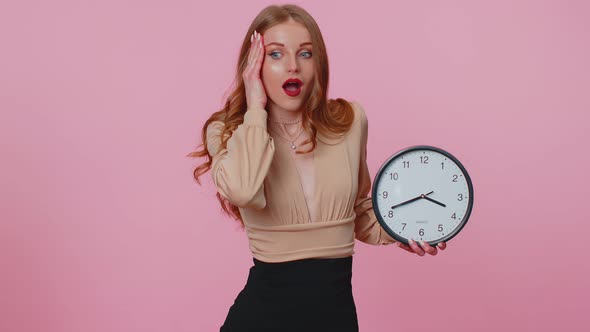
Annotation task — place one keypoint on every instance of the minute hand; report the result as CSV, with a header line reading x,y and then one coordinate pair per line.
x,y
411,200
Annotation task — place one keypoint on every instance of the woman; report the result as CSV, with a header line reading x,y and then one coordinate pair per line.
x,y
290,165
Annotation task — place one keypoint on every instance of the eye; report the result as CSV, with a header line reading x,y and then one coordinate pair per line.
x,y
307,53
277,52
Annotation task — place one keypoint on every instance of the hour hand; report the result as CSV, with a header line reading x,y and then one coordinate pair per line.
x,y
434,201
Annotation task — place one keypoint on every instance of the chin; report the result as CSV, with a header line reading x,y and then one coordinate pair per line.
x,y
290,105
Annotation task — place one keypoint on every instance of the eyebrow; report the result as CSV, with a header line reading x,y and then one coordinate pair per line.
x,y
283,45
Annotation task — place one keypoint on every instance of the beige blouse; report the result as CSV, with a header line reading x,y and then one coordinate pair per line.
x,y
297,206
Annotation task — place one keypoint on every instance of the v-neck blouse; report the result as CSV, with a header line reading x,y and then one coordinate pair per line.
x,y
261,176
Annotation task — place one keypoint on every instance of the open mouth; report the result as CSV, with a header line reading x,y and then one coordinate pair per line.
x,y
292,87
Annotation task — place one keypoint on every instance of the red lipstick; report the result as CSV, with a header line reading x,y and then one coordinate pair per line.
x,y
292,87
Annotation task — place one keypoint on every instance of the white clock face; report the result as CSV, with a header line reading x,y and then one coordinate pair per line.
x,y
423,194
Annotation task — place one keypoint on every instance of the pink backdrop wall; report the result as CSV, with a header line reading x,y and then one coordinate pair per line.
x,y
102,227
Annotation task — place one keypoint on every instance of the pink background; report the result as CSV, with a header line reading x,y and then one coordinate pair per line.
x,y
102,227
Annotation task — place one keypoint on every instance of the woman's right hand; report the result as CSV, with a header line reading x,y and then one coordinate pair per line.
x,y
255,93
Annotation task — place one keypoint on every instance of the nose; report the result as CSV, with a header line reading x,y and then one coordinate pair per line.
x,y
293,64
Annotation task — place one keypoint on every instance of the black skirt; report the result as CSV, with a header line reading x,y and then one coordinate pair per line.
x,y
308,295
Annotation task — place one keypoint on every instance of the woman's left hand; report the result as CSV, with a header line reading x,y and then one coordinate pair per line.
x,y
420,251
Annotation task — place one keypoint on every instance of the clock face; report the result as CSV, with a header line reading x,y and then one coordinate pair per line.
x,y
423,193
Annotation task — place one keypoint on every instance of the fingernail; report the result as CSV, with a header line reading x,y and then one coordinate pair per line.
x,y
411,240
421,242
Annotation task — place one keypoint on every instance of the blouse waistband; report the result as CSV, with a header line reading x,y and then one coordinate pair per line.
x,y
283,243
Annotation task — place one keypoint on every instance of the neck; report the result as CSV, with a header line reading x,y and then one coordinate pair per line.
x,y
282,115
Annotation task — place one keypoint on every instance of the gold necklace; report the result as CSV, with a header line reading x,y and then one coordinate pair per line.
x,y
286,122
293,146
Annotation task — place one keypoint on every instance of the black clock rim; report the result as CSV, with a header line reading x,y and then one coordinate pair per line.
x,y
396,155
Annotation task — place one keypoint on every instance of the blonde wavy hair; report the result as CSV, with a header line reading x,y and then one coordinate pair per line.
x,y
331,117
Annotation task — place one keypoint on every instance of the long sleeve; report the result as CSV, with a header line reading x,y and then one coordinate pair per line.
x,y
239,170
367,229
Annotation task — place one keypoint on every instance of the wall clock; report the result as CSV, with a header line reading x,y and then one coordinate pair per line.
x,y
423,193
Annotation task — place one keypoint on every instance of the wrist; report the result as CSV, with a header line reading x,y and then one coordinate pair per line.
x,y
256,115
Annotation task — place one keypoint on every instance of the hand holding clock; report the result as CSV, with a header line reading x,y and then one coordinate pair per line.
x,y
414,247
420,251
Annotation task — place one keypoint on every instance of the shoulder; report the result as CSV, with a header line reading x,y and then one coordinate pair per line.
x,y
359,111
213,134
360,117
215,128
349,111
